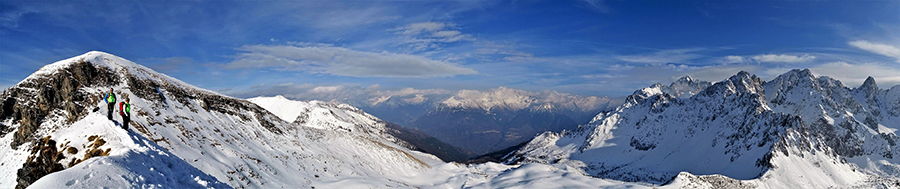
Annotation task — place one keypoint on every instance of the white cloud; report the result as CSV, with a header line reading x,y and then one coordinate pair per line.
x,y
663,56
882,49
509,51
719,73
428,35
325,89
11,18
619,67
343,61
785,58
732,59
601,76
418,99
416,28
853,75
410,91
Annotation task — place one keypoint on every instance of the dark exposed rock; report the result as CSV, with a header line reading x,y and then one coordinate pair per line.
x,y
640,145
43,161
238,107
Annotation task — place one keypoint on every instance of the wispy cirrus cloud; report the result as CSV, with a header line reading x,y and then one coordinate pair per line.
x,y
424,36
599,6
664,56
783,58
323,58
877,48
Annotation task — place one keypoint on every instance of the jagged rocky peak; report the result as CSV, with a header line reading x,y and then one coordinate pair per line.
x,y
869,84
796,78
740,83
684,87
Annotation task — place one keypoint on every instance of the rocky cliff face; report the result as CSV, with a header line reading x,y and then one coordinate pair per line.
x,y
35,99
741,127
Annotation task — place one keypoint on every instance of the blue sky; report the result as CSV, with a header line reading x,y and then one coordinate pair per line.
x,y
598,48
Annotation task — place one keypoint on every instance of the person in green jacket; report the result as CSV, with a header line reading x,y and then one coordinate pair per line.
x,y
110,99
125,112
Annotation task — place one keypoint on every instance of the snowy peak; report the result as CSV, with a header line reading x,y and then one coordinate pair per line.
x,y
685,79
684,87
502,97
102,60
795,78
869,85
744,82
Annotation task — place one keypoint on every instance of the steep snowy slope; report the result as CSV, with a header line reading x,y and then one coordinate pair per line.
x,y
136,162
795,131
234,140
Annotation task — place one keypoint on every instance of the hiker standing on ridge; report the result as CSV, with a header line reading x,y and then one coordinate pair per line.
x,y
125,112
110,99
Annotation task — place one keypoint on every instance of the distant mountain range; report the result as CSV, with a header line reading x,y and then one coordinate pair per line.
x,y
795,131
484,121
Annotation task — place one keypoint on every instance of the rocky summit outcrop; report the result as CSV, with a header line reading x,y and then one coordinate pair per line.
x,y
742,128
56,93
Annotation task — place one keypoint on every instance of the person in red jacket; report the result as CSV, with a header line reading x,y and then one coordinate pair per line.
x,y
125,112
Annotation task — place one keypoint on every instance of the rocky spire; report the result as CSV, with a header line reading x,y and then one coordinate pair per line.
x,y
869,84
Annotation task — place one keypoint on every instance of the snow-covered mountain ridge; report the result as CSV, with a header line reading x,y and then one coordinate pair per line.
x,y
54,134
797,130
233,140
344,116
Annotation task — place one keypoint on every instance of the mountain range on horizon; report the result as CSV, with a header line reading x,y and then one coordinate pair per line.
x,y
798,130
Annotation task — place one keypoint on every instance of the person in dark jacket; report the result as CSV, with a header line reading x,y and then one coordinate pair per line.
x,y
125,112
110,99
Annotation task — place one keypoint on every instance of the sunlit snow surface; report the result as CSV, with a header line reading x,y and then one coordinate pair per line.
x,y
136,162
